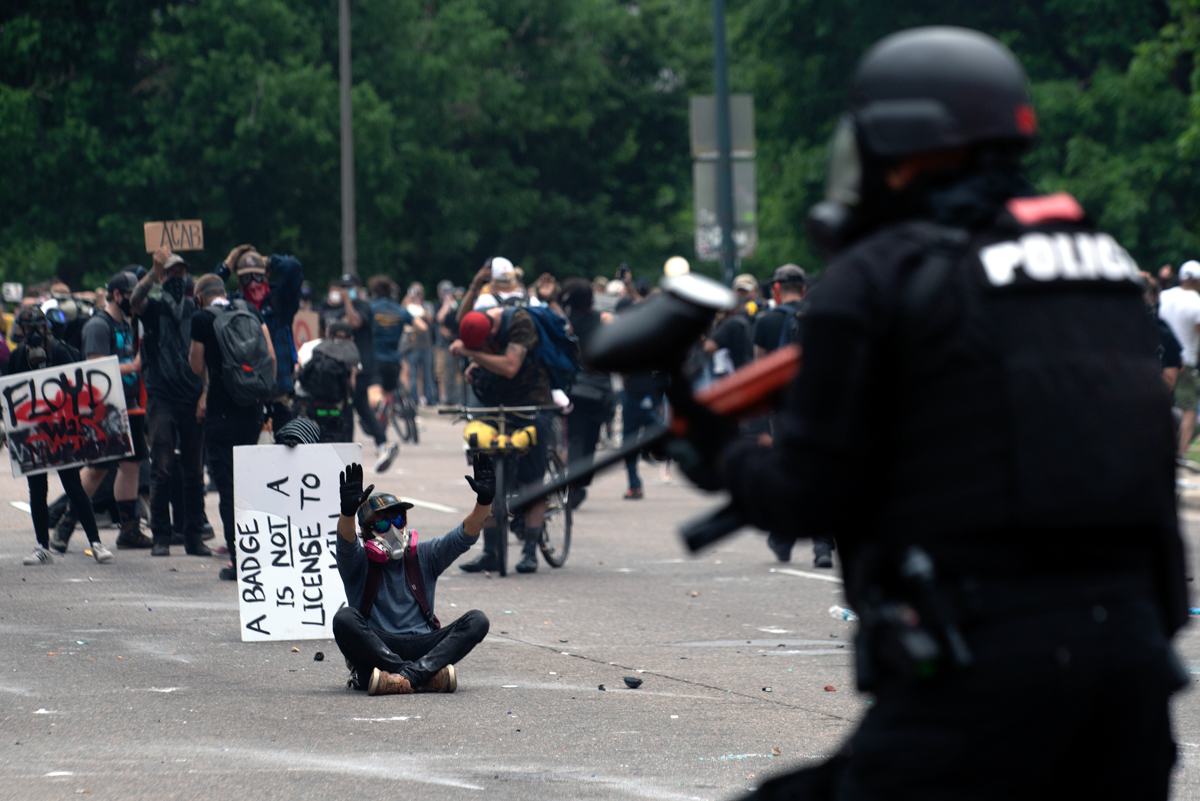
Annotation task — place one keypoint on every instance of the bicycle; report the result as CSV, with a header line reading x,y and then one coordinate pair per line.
x,y
400,413
556,527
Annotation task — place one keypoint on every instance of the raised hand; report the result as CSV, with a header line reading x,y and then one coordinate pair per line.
x,y
484,480
352,492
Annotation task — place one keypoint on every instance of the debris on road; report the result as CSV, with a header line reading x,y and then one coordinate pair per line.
x,y
318,657
829,688
601,688
767,689
295,650
695,594
632,682
842,613
775,750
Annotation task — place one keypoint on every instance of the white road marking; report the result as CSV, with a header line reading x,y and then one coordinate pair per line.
x,y
437,507
806,574
24,507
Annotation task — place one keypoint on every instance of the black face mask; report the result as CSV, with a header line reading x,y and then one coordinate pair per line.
x,y
35,350
124,306
175,287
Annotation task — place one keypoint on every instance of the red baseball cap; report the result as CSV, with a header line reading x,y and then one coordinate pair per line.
x,y
474,329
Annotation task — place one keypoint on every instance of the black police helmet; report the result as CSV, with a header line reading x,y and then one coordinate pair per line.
x,y
934,88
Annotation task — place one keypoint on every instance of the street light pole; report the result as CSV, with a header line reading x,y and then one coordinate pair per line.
x,y
349,244
724,146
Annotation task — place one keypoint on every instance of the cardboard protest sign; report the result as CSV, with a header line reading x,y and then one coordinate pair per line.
x,y
305,326
65,416
287,506
176,235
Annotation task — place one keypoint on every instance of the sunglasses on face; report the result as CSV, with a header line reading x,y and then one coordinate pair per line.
x,y
250,278
381,526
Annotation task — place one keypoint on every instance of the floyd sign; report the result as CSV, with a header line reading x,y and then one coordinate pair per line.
x,y
286,509
175,234
65,416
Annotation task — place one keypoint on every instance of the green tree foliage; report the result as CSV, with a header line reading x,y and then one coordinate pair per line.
x,y
552,131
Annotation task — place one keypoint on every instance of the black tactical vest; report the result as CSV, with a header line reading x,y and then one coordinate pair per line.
x,y
1025,387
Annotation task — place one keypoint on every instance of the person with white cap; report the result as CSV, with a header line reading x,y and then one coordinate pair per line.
x,y
1180,307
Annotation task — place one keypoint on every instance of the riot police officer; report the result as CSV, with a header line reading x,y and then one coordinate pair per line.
x,y
1019,571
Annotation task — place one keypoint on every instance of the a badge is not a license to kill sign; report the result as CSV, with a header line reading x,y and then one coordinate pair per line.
x,y
287,506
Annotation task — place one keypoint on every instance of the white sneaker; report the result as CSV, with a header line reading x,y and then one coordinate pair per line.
x,y
100,552
40,556
386,455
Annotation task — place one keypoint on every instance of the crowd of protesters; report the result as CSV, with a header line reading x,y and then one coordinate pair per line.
x,y
375,346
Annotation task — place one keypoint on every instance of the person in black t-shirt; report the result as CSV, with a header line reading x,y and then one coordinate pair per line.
x,y
109,333
345,301
226,424
173,410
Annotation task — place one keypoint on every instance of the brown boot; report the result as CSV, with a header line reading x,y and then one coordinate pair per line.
x,y
131,535
388,684
444,681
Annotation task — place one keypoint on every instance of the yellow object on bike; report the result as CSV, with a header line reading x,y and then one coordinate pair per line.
x,y
524,437
484,434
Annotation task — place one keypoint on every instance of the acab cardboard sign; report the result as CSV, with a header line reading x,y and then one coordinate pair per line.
x,y
286,505
65,416
174,234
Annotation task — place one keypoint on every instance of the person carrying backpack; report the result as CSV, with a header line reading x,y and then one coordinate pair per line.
x,y
326,380
781,325
231,348
503,346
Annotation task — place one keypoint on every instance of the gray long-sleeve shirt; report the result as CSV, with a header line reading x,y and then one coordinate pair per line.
x,y
395,610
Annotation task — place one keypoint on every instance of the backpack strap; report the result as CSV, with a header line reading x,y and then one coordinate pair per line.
x,y
416,583
374,574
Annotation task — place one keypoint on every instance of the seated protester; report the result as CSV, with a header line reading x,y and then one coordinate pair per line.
x,y
392,641
504,370
326,381
37,350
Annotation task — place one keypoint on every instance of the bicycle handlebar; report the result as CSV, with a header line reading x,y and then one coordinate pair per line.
x,y
497,409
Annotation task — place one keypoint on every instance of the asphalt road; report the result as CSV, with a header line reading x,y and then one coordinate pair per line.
x,y
130,680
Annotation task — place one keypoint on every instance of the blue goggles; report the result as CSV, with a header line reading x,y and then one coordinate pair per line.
x,y
381,526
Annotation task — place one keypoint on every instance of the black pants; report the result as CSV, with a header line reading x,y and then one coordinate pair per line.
x,y
169,424
1066,702
221,433
418,658
583,431
370,422
40,511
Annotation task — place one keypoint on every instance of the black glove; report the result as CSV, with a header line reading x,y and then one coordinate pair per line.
x,y
484,482
352,492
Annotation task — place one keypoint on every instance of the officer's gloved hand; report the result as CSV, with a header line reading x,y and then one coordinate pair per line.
x,y
484,480
699,452
352,492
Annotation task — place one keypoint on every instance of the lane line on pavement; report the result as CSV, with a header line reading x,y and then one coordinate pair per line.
x,y
437,507
806,574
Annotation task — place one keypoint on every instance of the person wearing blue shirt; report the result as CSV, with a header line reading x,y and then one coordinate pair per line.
x,y
388,319
392,641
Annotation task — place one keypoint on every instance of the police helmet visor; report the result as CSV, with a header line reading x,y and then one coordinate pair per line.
x,y
843,181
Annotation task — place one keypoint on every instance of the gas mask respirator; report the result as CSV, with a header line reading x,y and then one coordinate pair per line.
x,y
387,540
36,342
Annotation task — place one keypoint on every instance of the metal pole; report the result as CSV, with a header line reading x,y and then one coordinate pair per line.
x,y
349,245
724,145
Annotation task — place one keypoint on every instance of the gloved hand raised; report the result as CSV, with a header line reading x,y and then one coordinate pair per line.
x,y
352,491
484,481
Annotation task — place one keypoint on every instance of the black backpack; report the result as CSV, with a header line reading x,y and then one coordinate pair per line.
x,y
246,368
325,378
790,332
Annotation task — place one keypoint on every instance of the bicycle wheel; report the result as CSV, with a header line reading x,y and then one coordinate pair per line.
x,y
500,516
400,420
556,531
414,430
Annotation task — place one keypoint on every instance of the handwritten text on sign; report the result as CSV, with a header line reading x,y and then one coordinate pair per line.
x,y
287,508
175,234
65,416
